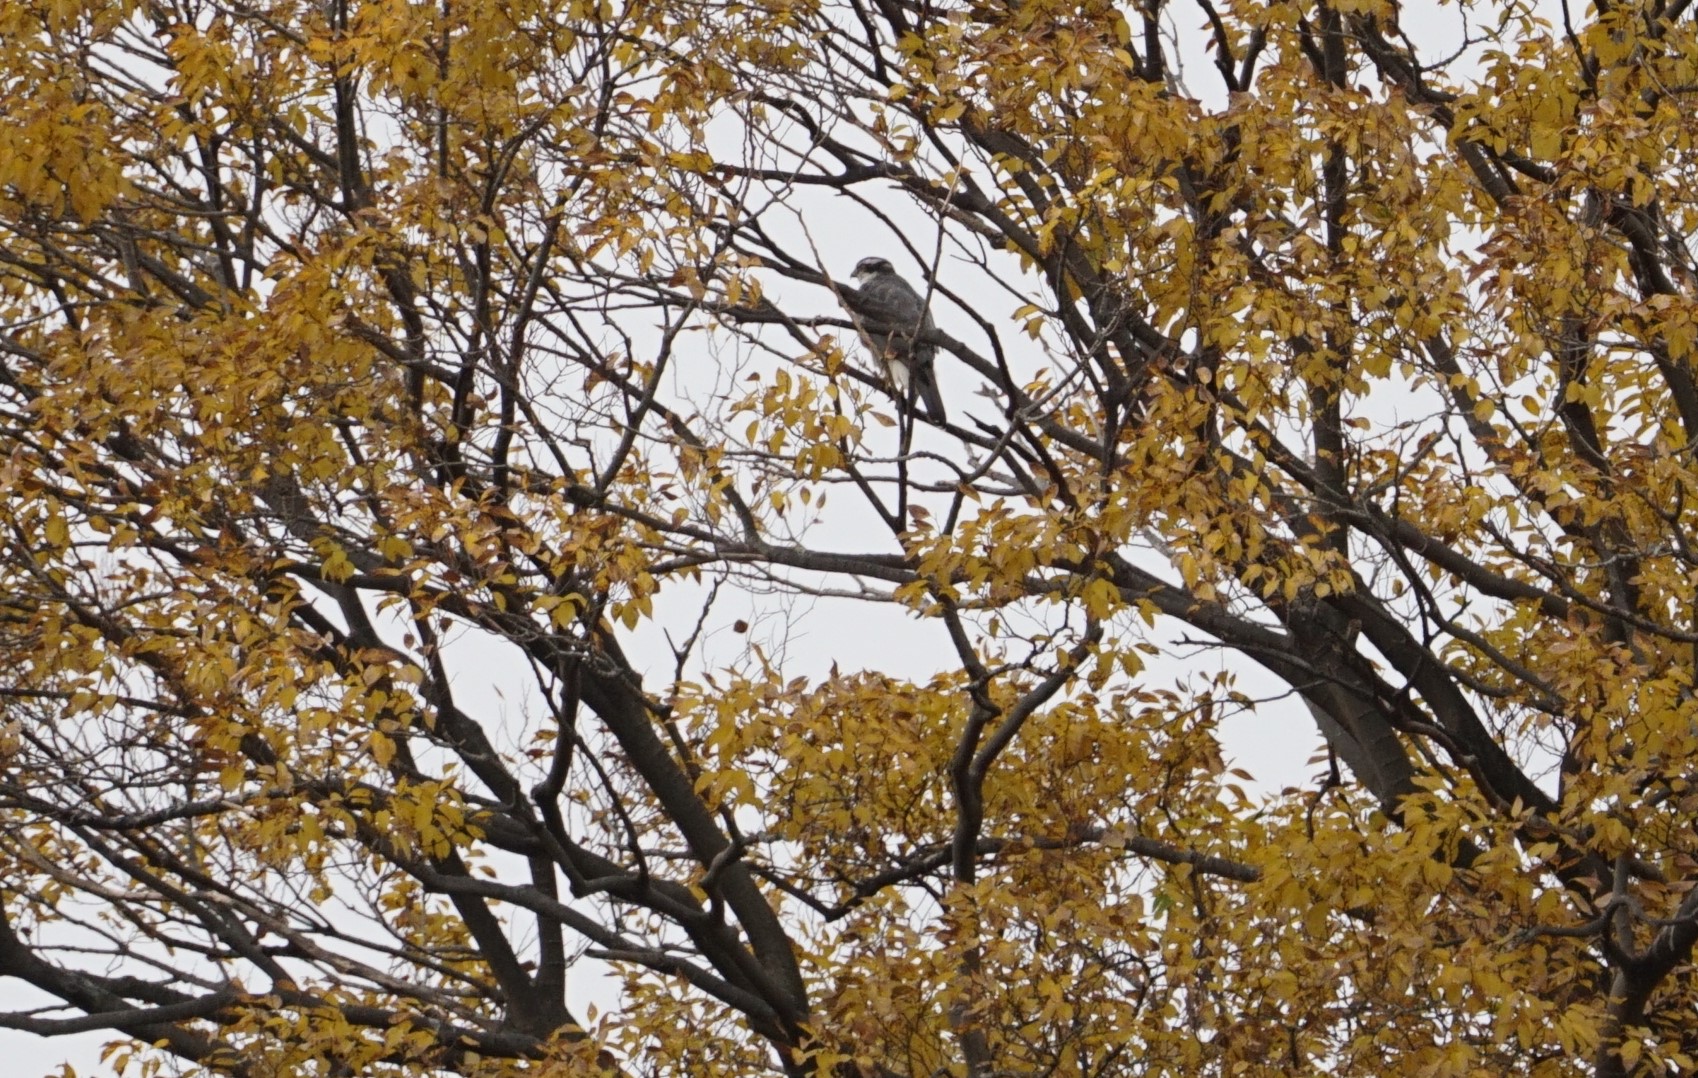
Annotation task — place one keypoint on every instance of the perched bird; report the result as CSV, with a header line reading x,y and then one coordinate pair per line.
x,y
894,323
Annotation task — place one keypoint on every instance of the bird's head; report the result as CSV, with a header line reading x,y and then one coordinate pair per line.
x,y
868,268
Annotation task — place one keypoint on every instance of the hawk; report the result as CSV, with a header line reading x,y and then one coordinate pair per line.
x,y
894,322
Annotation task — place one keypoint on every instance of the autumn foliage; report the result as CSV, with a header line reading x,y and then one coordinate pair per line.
x,y
468,605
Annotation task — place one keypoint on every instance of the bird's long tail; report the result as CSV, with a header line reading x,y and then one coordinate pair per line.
x,y
926,383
